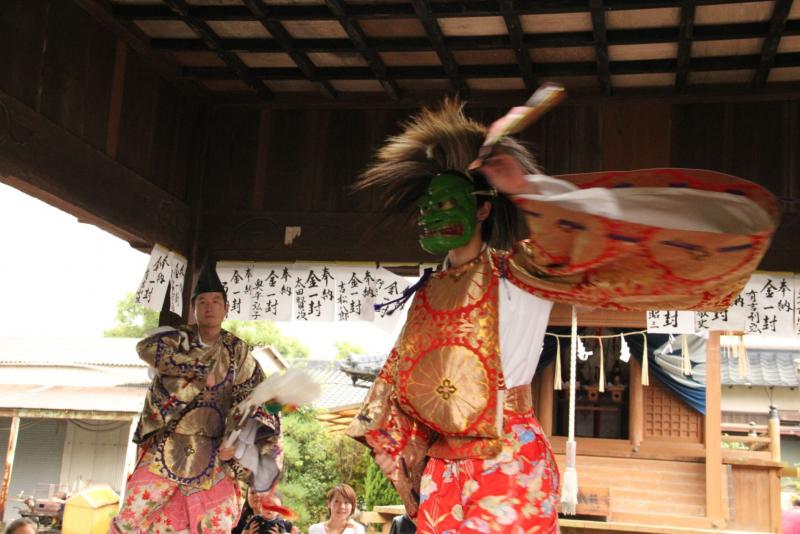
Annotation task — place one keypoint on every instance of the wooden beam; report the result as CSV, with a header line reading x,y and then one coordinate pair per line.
x,y
600,44
282,37
212,41
435,35
359,40
11,448
685,32
714,32
393,10
769,49
47,162
713,432
511,17
259,236
262,165
511,70
562,316
117,93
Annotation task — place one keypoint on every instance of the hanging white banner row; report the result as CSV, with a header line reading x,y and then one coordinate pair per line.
x,y
164,268
305,292
280,292
766,307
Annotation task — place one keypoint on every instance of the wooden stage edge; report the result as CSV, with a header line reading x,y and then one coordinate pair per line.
x,y
575,525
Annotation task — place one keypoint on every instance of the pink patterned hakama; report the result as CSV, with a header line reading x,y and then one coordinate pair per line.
x,y
157,505
515,492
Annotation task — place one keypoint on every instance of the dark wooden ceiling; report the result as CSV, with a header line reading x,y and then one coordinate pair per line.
x,y
345,49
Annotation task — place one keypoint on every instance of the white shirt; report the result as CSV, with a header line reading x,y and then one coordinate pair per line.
x,y
352,528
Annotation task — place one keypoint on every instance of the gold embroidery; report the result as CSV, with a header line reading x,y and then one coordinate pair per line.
x,y
446,389
448,367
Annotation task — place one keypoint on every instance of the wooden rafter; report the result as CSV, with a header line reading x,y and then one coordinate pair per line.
x,y
770,47
396,10
428,20
600,43
285,40
642,66
213,42
359,40
509,11
685,31
712,32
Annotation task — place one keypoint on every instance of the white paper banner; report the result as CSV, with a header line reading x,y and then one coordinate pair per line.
x,y
176,282
271,293
796,302
769,304
389,287
237,279
153,289
670,322
355,293
314,288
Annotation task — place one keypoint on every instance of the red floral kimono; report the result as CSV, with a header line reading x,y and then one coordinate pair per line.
x,y
455,412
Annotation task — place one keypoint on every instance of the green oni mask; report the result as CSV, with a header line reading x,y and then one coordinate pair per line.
x,y
447,213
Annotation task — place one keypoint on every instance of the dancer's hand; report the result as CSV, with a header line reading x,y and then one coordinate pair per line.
x,y
505,174
387,465
225,453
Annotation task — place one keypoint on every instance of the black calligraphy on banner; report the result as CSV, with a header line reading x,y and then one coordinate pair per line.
x,y
355,293
237,279
670,322
730,319
313,288
153,289
176,281
769,304
271,293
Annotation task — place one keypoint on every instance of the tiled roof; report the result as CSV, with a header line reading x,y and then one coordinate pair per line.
x,y
338,390
106,351
766,368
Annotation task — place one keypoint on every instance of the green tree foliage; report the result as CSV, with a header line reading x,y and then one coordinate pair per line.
x,y
133,320
263,333
345,349
314,462
378,490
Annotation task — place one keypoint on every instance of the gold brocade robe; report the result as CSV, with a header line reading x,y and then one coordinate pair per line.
x,y
441,392
183,420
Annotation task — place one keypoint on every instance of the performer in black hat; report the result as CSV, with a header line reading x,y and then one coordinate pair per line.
x,y
186,480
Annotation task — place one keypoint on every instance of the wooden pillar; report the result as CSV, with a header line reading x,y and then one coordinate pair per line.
x,y
12,447
636,411
545,398
774,428
713,433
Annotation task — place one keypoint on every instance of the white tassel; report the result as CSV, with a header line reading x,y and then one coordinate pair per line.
x,y
569,485
686,357
583,354
744,363
645,373
602,377
557,375
624,349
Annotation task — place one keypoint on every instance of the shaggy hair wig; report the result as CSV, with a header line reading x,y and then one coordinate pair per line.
x,y
438,140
